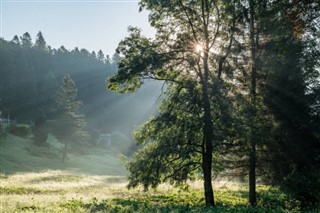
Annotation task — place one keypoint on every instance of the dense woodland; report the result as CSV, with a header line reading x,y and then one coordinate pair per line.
x,y
243,94
31,72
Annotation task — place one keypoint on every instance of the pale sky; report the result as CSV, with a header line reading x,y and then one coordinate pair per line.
x,y
93,25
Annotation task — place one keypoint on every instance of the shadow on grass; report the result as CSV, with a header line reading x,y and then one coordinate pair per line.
x,y
27,190
192,202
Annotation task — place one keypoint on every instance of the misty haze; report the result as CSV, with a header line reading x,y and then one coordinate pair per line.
x,y
160,106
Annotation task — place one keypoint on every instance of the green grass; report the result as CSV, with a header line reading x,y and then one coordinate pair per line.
x,y
33,179
22,155
61,191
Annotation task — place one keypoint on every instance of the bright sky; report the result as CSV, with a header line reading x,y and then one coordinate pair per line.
x,y
90,24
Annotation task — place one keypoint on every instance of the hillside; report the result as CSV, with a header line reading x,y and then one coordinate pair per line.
x,y
31,75
21,155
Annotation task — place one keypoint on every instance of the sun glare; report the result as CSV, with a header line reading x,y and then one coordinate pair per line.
x,y
199,48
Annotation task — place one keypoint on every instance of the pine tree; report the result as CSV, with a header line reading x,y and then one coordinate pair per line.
x,y
26,40
100,55
40,42
71,124
16,40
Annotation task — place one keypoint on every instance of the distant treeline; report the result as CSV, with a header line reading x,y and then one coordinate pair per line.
x,y
32,71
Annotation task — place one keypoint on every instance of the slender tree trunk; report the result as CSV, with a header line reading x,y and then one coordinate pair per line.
x,y
208,138
252,154
207,165
252,173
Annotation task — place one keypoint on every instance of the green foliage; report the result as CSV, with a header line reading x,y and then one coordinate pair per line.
x,y
290,57
305,187
19,190
21,130
71,124
73,204
193,119
66,96
30,72
273,197
172,143
40,42
26,40
271,200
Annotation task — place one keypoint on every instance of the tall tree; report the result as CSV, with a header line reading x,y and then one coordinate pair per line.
x,y
188,47
253,93
291,91
26,40
40,42
29,78
16,40
70,127
100,55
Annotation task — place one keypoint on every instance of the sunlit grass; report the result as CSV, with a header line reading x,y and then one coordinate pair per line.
x,y
49,188
62,191
96,182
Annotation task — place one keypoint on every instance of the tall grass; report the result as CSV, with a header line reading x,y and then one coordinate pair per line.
x,y
61,191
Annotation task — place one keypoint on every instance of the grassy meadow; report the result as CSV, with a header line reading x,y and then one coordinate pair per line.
x,y
33,179
62,191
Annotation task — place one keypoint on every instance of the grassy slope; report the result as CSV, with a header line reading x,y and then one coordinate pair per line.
x,y
21,155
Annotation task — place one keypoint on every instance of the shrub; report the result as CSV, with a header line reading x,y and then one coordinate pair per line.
x,y
305,187
21,130
274,198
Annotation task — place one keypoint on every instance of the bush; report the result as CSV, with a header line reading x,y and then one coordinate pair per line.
x,y
305,187
21,130
273,198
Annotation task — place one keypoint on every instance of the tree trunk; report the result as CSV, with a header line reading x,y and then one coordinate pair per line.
x,y
207,165
252,152
208,138
252,173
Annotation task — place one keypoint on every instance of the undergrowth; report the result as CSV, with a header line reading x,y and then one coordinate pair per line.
x,y
105,196
227,201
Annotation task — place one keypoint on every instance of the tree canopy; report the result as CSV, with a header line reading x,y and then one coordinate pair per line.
x,y
235,80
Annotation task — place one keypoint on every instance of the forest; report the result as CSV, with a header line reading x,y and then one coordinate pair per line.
x,y
220,112
32,72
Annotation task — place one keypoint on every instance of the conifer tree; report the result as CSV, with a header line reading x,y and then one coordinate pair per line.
x,y
100,55
16,40
40,42
71,124
26,40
